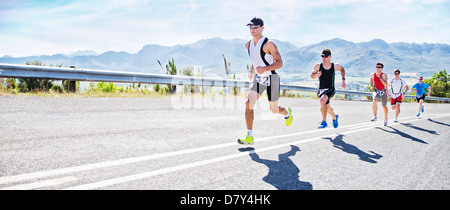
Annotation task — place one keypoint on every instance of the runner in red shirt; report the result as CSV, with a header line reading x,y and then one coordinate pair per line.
x,y
379,83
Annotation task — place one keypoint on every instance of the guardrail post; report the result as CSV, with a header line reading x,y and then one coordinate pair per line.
x,y
73,84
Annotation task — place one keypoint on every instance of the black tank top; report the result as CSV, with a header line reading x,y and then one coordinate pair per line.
x,y
327,78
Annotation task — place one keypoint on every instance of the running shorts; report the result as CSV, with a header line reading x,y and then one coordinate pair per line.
x,y
380,94
273,90
327,91
422,97
396,100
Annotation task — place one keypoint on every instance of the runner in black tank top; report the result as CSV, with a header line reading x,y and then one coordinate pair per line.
x,y
326,86
326,82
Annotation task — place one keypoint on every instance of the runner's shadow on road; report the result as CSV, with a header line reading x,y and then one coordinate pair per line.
x,y
403,134
283,174
339,143
419,128
440,123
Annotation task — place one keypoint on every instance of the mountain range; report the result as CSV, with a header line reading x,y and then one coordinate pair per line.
x,y
359,59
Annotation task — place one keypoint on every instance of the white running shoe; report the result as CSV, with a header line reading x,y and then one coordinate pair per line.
x,y
395,120
374,119
385,122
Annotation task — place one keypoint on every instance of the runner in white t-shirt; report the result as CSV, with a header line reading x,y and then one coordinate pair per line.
x,y
396,85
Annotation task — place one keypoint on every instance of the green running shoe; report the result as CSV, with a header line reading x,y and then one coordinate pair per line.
x,y
289,119
248,140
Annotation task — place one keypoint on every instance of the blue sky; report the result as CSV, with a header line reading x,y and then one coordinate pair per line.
x,y
32,27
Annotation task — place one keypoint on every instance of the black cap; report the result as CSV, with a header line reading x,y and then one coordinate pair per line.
x,y
256,21
397,70
326,52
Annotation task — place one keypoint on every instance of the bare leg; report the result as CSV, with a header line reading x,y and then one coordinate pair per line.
x,y
394,107
274,108
385,112
374,107
397,112
331,112
323,107
249,114
420,105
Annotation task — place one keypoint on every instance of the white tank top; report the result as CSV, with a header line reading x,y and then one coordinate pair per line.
x,y
255,56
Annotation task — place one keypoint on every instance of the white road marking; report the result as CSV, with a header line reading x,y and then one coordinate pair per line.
x,y
40,184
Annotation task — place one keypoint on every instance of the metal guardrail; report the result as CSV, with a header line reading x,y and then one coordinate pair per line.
x,y
79,74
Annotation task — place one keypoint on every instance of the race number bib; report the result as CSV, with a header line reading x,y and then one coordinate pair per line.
x,y
263,80
378,93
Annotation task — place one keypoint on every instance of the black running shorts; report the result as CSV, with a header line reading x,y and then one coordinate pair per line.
x,y
422,97
327,91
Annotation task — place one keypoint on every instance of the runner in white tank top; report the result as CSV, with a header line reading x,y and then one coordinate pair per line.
x,y
266,59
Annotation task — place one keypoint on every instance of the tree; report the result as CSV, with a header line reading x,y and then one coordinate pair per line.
x,y
440,84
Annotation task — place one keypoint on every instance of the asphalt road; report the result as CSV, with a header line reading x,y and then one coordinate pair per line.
x,y
190,143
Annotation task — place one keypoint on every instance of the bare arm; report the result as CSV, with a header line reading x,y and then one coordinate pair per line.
x,y
383,80
372,85
406,88
316,73
340,68
271,49
252,70
404,93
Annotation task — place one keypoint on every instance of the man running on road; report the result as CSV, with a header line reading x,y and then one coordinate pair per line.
x,y
397,95
419,89
266,59
325,71
379,83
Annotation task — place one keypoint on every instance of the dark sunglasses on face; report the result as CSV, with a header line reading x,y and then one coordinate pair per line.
x,y
324,56
254,27
379,67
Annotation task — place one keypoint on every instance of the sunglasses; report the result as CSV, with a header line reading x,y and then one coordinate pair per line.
x,y
397,73
324,56
379,67
254,27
